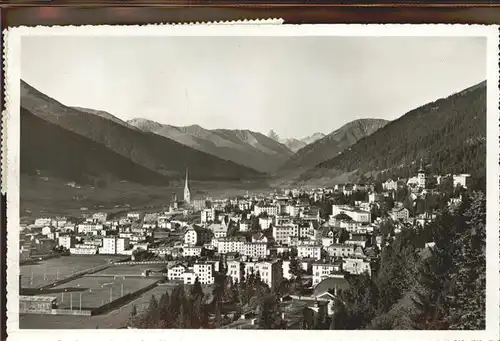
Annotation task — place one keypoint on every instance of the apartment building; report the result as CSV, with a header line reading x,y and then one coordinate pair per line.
x,y
309,251
235,270
270,272
114,245
323,270
282,233
268,209
225,245
205,272
254,250
340,250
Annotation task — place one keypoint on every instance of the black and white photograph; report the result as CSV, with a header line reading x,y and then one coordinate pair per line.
x,y
244,177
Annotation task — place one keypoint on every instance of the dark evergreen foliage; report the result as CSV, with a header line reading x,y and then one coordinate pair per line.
x,y
449,134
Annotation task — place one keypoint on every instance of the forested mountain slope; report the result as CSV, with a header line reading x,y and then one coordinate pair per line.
x,y
449,135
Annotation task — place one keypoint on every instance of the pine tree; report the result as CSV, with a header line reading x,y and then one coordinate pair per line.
x,y
133,313
469,282
197,291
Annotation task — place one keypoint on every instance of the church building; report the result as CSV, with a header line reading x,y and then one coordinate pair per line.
x,y
187,192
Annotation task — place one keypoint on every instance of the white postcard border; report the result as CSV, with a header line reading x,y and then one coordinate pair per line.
x,y
11,168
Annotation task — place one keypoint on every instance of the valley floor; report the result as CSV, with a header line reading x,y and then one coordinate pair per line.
x,y
41,197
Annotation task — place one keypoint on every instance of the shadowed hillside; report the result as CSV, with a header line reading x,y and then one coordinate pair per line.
x,y
53,151
157,153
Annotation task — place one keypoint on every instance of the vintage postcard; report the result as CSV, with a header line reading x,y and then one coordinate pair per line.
x,y
286,178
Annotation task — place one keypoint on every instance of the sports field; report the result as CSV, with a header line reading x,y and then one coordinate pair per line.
x,y
96,291
48,271
137,270
117,318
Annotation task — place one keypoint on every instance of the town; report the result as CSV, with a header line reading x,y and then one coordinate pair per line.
x,y
302,245
314,239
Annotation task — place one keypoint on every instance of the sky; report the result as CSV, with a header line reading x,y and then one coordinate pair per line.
x,y
296,86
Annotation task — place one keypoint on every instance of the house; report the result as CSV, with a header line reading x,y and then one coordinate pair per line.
x,y
356,266
360,187
176,272
358,215
359,252
114,245
191,251
340,250
321,271
207,215
286,270
375,197
244,225
134,216
259,237
400,213
218,230
235,270
357,239
309,251
348,189
265,222
462,180
195,235
40,222
66,241
332,285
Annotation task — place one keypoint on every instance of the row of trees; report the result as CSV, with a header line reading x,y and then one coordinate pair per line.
x,y
442,287
194,309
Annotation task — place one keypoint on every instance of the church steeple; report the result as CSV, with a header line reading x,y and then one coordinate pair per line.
x,y
421,169
187,192
422,178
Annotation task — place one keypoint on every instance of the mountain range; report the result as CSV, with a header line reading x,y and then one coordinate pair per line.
x,y
295,144
164,157
448,135
87,145
245,147
330,145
